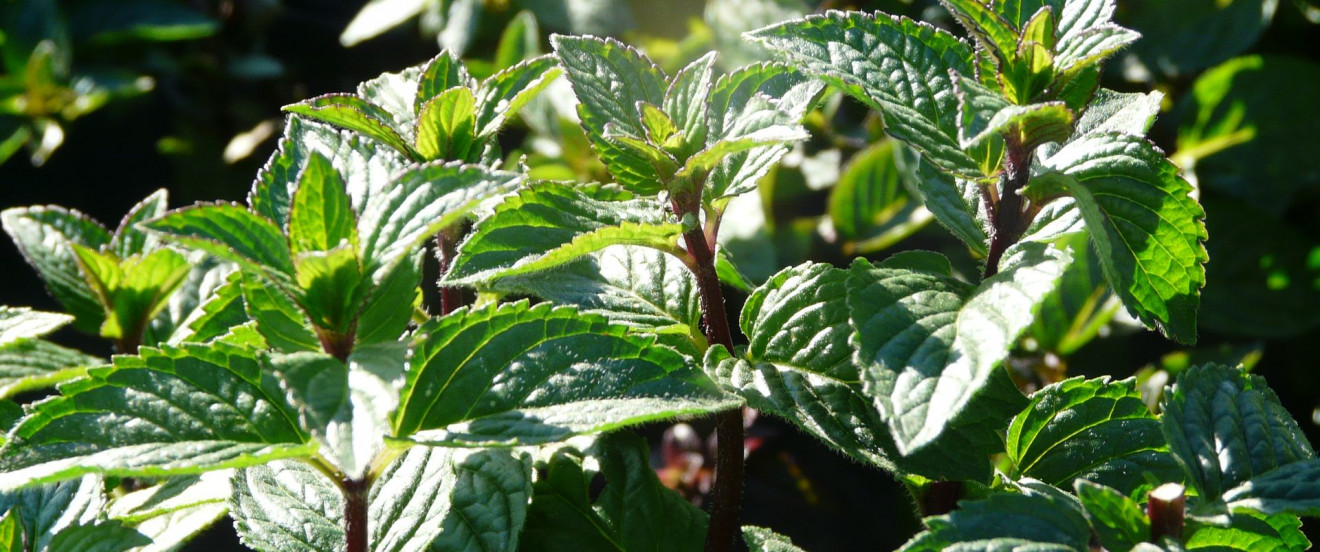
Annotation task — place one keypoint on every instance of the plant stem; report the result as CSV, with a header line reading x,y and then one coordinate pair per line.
x,y
446,248
727,504
338,345
1010,220
941,497
356,492
1166,507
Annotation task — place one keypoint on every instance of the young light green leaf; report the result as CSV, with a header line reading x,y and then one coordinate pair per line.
x,y
11,533
1093,430
171,411
1034,521
927,343
629,285
686,101
134,290
448,499
984,113
32,364
331,288
520,40
549,224
383,318
278,318
418,204
443,72
287,506
760,539
1226,426
869,198
320,215
44,236
228,231
396,94
446,126
896,65
530,375
128,239
21,322
356,114
990,29
633,512
1119,521
1144,224
505,93
609,79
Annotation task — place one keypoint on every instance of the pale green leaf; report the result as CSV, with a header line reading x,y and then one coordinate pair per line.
x,y
996,34
505,93
288,507
633,512
1090,429
228,231
171,411
32,364
686,102
609,79
378,16
898,66
21,322
927,344
320,214
520,40
1145,225
44,236
549,224
128,239
278,318
1249,532
396,94
331,288
174,511
446,126
514,375
445,71
355,114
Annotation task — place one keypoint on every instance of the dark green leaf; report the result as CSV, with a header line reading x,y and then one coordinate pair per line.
x,y
128,239
103,23
1119,521
32,364
985,113
878,59
549,224
633,512
1093,430
170,411
869,197
760,539
1249,531
517,375
956,203
278,318
1081,306
228,231
1226,426
1146,227
1291,488
383,317
505,93
1182,37
1036,522
355,114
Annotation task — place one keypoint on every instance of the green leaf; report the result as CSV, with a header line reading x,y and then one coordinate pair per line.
x,y
278,318
1146,228
760,539
134,290
990,29
106,536
11,533
365,168
1292,488
355,114
175,511
985,113
1080,50
1033,521
633,511
505,93
32,364
633,286
519,375
548,224
418,204
446,126
869,198
1090,429
1226,426
686,102
382,318
217,315
1111,111
102,24
396,94
445,71
876,59
763,126
483,501
21,322
748,98
1119,521
128,239
520,40
44,236
171,411
927,343
1080,308
320,214
609,79
332,288
44,511
1181,37
956,204
1249,531
228,231
287,506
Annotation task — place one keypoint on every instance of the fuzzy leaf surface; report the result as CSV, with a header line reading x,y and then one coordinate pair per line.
x,y
45,235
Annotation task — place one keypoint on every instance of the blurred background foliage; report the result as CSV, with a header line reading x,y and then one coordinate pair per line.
x,y
103,101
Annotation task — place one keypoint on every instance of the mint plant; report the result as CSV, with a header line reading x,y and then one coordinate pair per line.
x,y
279,363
